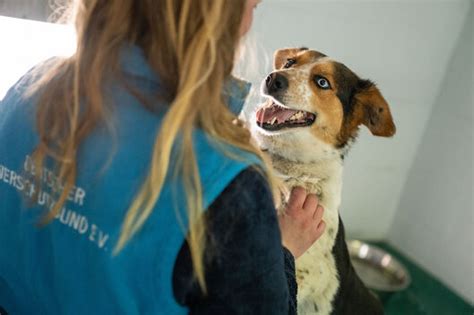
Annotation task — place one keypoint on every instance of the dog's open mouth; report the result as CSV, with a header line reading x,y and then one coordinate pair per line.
x,y
275,117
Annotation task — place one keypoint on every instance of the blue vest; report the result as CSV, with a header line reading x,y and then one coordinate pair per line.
x,y
67,267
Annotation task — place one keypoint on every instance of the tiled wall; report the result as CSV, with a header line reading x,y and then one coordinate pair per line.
x,y
40,10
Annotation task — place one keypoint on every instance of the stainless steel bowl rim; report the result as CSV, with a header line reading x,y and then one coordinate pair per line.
x,y
382,260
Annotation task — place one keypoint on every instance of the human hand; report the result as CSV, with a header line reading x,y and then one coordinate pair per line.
x,y
301,224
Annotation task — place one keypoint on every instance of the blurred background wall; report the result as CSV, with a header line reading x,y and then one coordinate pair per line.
x,y
26,9
39,10
434,220
414,190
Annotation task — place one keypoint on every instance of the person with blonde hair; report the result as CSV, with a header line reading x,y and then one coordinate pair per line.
x,y
126,185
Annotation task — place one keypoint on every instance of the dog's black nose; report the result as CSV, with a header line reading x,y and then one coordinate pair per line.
x,y
276,82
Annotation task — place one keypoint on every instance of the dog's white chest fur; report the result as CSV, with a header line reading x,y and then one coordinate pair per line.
x,y
316,269
300,159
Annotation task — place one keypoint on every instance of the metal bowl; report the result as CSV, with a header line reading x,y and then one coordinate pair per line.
x,y
377,269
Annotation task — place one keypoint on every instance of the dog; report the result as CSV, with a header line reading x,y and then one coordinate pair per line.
x,y
314,108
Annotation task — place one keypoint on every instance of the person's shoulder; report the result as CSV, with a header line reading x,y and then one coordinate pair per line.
x,y
22,89
248,190
251,178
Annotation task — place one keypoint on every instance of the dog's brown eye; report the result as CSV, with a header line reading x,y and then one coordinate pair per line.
x,y
289,63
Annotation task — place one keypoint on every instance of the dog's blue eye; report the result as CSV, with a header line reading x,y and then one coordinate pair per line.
x,y
322,83
289,63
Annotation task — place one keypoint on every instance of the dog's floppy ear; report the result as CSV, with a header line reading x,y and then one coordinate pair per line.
x,y
376,113
281,56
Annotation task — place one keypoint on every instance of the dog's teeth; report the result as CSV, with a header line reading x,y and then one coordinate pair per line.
x,y
298,115
273,121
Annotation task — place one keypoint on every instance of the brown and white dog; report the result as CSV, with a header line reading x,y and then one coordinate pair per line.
x,y
314,109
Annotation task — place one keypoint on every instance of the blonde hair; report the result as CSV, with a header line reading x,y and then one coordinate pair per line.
x,y
191,45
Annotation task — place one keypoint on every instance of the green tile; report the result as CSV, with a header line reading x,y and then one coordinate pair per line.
x,y
425,295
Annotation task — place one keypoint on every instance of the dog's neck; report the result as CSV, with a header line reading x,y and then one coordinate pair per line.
x,y
323,168
322,177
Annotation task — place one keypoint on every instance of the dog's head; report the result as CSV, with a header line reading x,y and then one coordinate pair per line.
x,y
314,100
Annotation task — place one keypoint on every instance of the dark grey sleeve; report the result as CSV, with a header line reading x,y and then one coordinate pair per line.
x,y
247,269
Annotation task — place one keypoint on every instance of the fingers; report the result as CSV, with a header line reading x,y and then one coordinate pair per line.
x,y
300,200
318,214
302,223
311,202
320,229
321,225
297,199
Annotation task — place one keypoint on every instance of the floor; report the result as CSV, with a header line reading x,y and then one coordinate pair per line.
x,y
425,295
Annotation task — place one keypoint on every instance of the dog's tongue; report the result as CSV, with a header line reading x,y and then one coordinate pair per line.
x,y
267,114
